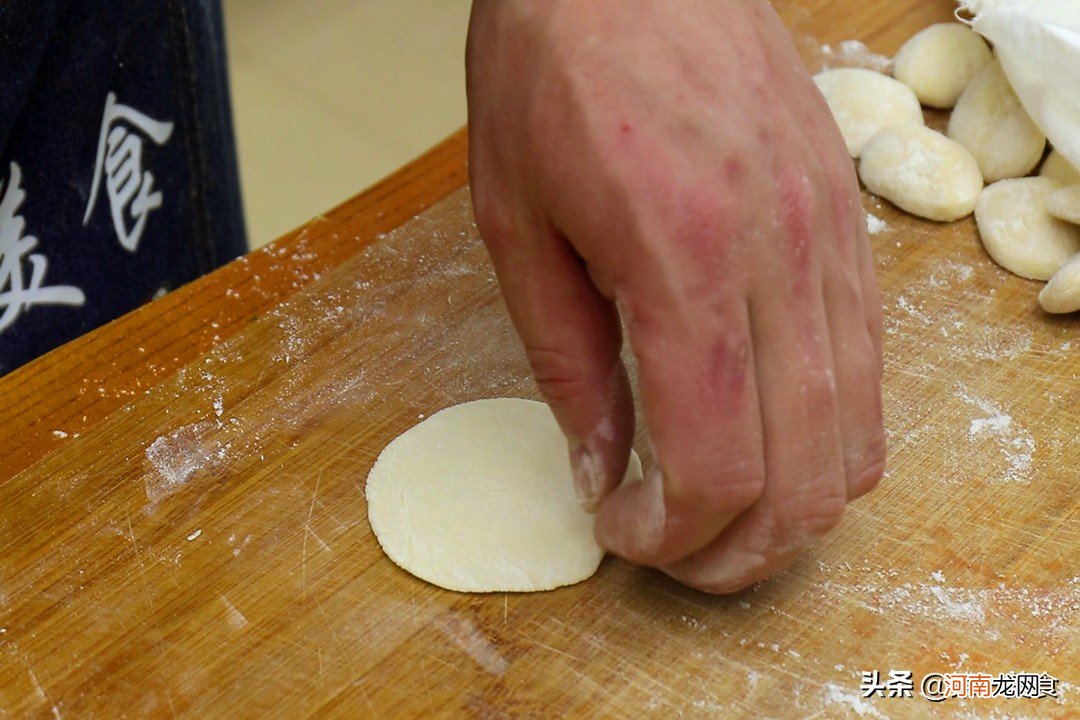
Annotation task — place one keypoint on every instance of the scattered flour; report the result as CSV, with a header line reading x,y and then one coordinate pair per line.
x,y
958,605
854,53
947,273
997,423
984,610
907,306
997,344
836,695
874,224
461,631
175,457
1015,443
929,601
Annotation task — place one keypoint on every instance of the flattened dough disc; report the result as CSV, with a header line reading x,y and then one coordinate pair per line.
x,y
479,498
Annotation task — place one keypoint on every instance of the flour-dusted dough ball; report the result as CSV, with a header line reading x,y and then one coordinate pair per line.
x,y
990,122
921,171
1062,293
939,62
480,498
1056,167
1064,204
1018,231
864,101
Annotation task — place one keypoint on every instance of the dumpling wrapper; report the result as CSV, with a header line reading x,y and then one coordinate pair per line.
x,y
479,497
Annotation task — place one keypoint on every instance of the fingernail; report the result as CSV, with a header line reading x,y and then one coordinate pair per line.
x,y
588,476
640,531
653,517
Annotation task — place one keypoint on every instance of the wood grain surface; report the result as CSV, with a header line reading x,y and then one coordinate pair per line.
x,y
183,530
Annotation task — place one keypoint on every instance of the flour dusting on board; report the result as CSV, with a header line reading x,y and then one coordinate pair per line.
x,y
946,299
469,639
176,457
874,224
980,611
948,273
1013,442
837,695
853,54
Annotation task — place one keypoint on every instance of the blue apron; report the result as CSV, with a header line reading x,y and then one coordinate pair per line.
x,y
118,178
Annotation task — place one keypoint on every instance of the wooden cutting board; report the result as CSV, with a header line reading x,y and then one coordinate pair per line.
x,y
183,530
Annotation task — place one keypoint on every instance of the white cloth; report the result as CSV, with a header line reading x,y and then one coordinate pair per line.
x,y
1038,42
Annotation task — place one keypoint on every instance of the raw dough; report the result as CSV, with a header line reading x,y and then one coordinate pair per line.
x,y
939,62
1064,204
990,122
1056,167
1062,293
863,101
480,498
921,171
1018,231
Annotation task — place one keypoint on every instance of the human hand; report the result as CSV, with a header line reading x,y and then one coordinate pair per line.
x,y
673,163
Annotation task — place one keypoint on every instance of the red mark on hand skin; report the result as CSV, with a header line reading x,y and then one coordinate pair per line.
x,y
734,170
702,234
796,220
625,128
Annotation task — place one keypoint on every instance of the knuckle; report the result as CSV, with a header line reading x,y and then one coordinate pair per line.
x,y
798,204
840,174
847,288
818,391
864,464
844,186
733,489
860,370
730,582
558,374
481,192
867,478
493,218
491,226
799,521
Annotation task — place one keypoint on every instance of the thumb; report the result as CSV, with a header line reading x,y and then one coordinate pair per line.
x,y
572,337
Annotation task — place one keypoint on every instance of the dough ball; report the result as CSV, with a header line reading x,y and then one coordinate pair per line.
x,y
1018,231
939,62
1056,167
921,171
1062,293
480,498
1064,204
864,101
990,122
